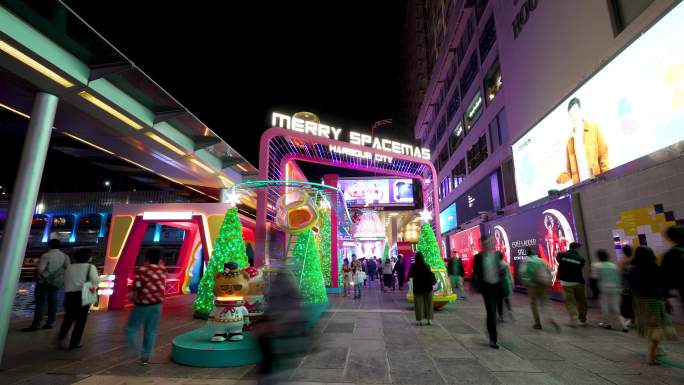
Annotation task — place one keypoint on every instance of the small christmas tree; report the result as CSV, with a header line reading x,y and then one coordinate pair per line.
x,y
228,247
306,267
427,244
324,245
385,253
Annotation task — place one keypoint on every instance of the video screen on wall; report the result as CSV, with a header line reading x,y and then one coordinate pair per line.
x,y
632,107
447,218
546,230
369,192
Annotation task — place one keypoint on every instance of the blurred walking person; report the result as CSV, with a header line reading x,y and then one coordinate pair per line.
x,y
506,291
49,279
147,295
537,277
487,275
673,263
456,272
607,277
570,264
75,312
422,280
626,298
400,270
358,278
651,309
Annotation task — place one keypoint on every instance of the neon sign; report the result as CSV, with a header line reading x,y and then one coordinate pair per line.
x,y
329,132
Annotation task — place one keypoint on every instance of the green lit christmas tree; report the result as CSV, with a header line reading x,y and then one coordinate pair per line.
x,y
385,253
427,244
306,267
324,245
228,247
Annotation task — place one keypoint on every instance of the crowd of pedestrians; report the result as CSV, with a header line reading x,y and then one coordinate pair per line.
x,y
362,273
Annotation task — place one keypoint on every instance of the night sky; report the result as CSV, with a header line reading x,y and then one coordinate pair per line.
x,y
232,66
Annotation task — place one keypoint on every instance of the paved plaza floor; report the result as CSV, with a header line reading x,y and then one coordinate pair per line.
x,y
372,341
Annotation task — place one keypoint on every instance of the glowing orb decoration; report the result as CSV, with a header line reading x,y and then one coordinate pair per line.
x,y
296,212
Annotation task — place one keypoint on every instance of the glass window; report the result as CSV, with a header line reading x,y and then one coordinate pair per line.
x,y
443,156
473,111
456,136
493,82
480,7
487,38
88,229
453,105
494,134
459,173
37,229
625,11
452,72
477,153
61,227
508,181
469,73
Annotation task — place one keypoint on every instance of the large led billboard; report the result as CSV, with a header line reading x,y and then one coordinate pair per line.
x,y
447,218
370,192
484,196
630,108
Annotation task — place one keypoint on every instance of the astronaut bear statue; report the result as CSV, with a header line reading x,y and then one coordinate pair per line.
x,y
229,315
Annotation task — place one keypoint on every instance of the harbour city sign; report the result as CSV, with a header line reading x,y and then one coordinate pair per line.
x,y
323,130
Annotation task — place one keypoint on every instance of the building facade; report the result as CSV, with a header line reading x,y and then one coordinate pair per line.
x,y
502,67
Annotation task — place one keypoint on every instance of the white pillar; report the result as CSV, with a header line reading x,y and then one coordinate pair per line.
x,y
23,204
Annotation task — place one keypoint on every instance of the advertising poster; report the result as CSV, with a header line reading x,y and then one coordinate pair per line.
x,y
547,230
613,118
377,192
484,196
465,245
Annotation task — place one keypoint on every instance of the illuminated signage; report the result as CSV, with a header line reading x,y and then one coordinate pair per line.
x,y
458,131
167,215
471,201
473,111
329,132
613,118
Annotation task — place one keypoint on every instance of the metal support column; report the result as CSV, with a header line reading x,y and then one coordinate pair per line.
x,y
23,204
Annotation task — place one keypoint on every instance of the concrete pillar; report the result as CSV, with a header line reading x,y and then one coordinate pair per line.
x,y
23,204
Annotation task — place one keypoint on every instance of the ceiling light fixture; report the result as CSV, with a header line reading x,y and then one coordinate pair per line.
x,y
88,143
202,165
43,70
164,143
8,108
110,110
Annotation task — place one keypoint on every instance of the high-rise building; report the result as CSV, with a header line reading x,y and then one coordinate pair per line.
x,y
486,83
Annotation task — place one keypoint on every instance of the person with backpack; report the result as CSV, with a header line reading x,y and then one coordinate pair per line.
x,y
609,282
75,311
456,272
570,264
49,279
487,276
536,276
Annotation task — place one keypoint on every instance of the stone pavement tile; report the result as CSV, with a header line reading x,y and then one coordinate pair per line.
x,y
369,323
49,378
330,358
368,366
330,340
339,327
631,379
318,375
612,352
567,373
448,350
465,372
527,350
361,333
413,366
393,320
369,345
509,378
119,380
502,360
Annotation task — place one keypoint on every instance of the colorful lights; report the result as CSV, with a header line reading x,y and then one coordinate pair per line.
x,y
110,110
202,165
88,143
425,216
241,168
43,70
167,215
106,285
427,244
233,198
226,182
230,298
165,143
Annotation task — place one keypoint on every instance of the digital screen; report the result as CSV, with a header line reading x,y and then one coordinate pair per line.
x,y
547,230
465,245
484,196
377,192
447,218
632,107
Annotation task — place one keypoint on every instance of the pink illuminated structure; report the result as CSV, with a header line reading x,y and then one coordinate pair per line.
x,y
279,146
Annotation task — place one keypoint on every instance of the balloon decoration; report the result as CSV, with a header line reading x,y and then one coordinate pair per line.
x,y
296,212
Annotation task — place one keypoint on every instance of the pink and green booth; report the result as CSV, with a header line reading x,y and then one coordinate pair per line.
x,y
201,222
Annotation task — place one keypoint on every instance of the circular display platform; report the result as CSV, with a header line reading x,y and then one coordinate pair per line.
x,y
438,301
195,349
